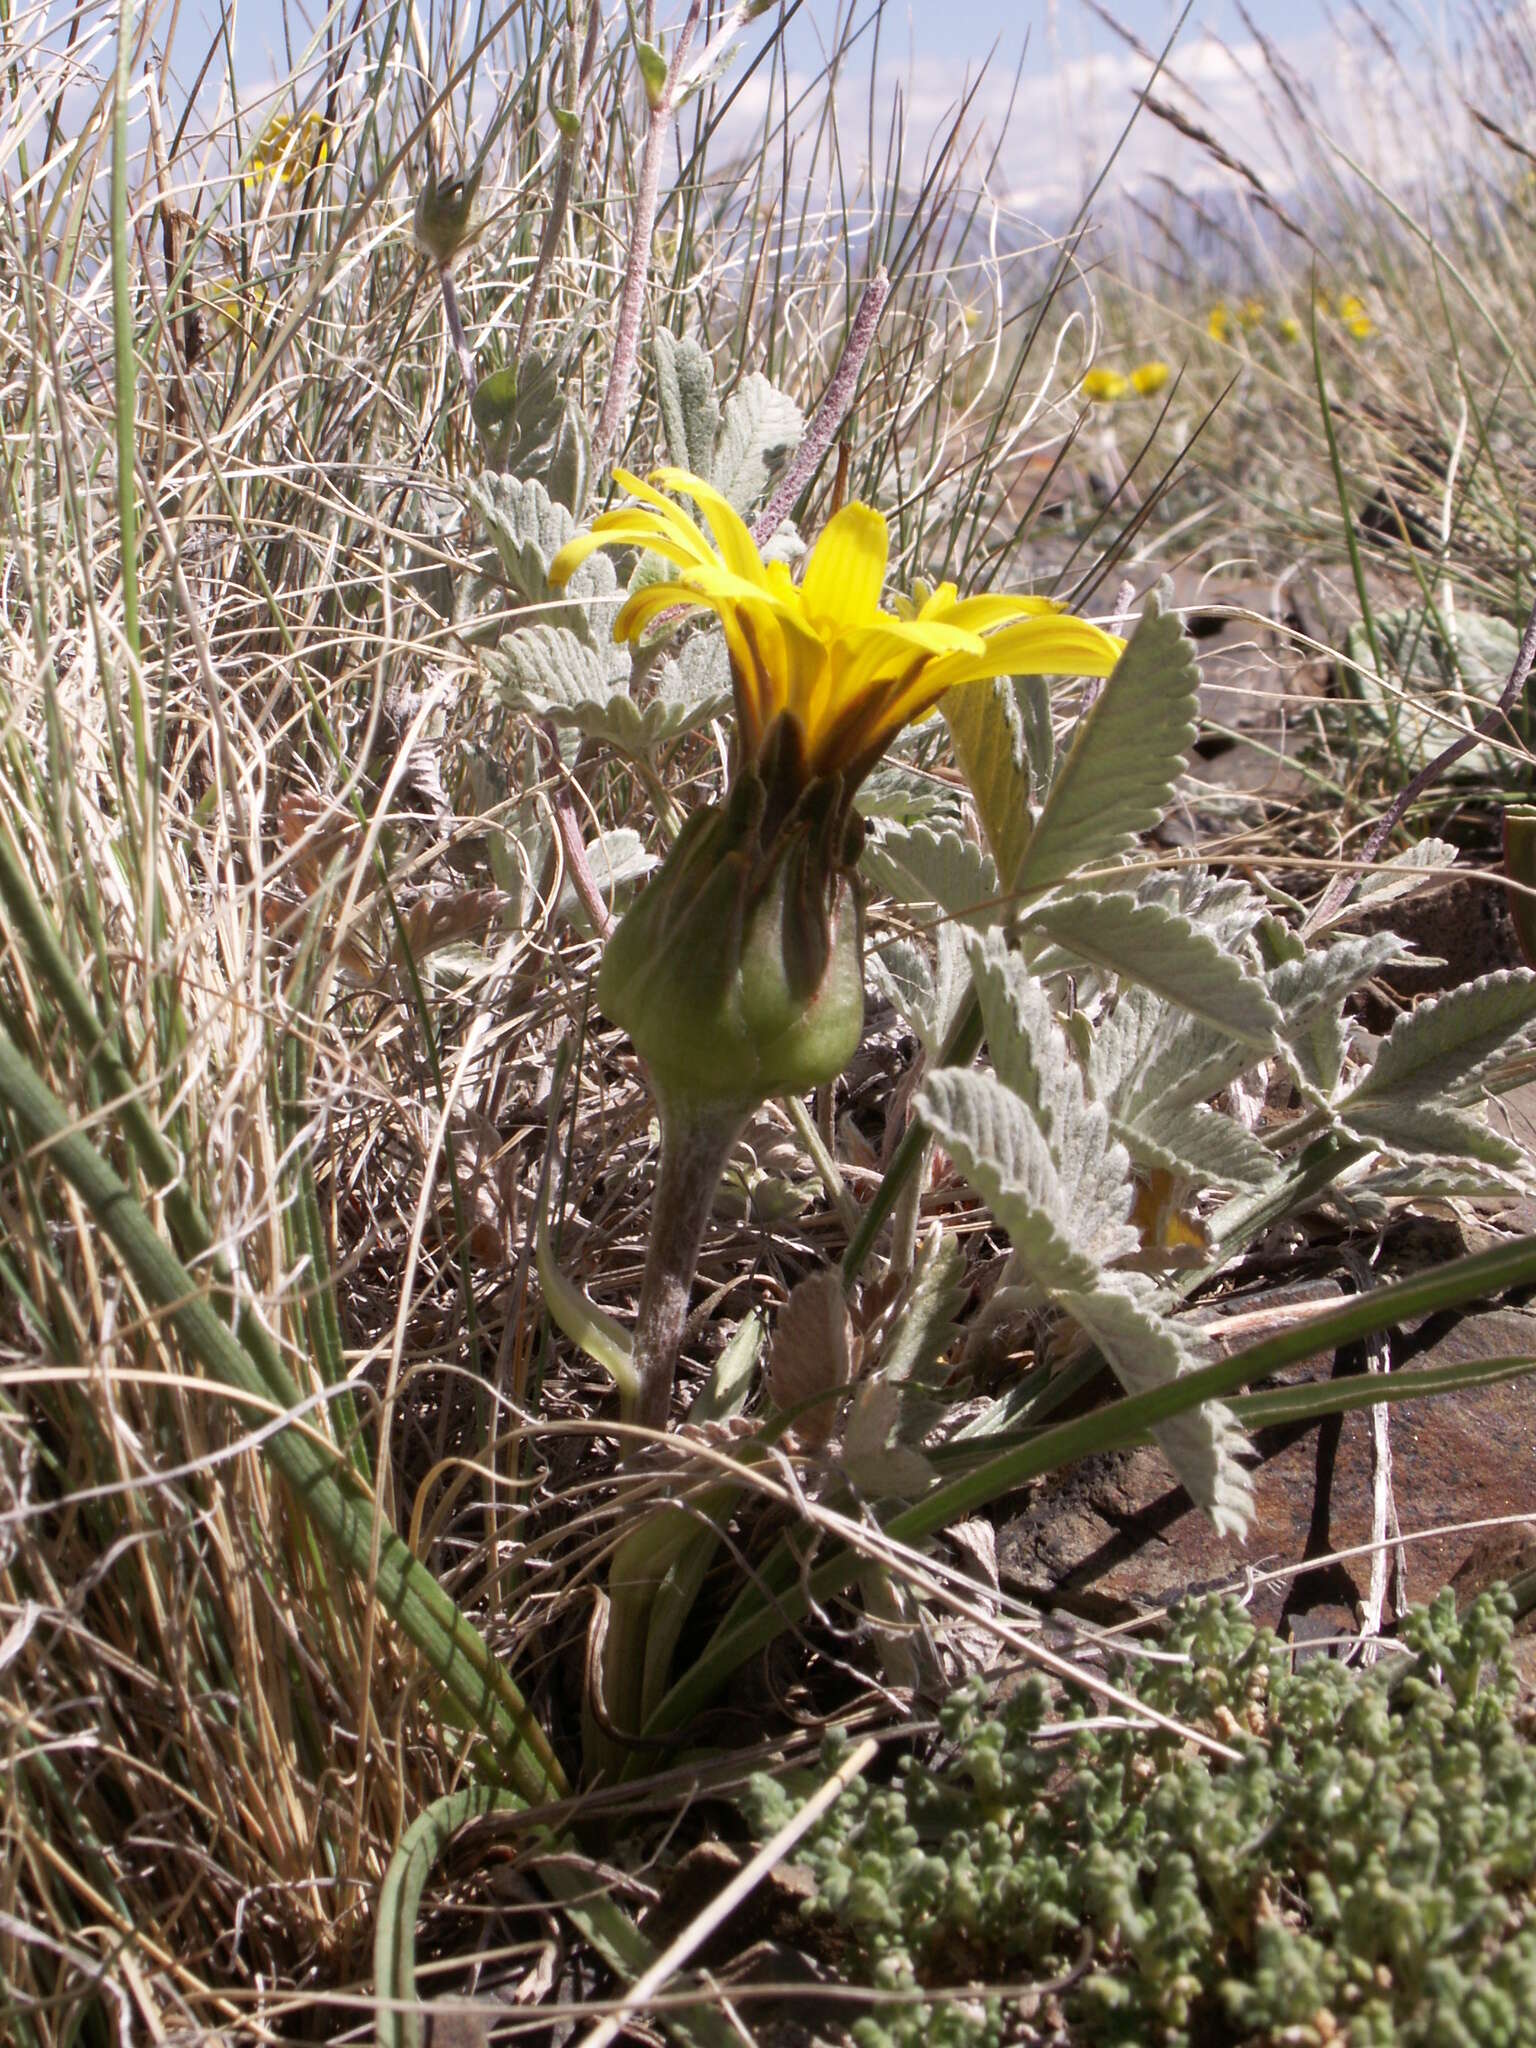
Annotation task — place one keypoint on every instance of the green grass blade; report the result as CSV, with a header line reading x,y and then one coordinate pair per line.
x,y
325,1486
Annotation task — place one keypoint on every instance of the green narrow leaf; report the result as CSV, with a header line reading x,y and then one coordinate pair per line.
x,y
987,731
1128,753
324,1485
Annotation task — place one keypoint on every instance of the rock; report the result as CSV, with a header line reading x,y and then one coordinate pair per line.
x,y
1115,1537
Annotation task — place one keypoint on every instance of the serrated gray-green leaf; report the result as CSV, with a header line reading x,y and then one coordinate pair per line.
x,y
1309,993
1444,1180
1145,1351
552,671
1164,951
929,995
916,864
528,530
1033,1057
987,731
1435,687
616,859
760,424
685,392
1405,1126
998,1146
1445,1048
1198,1144
1062,1235
1226,910
1128,752
1405,872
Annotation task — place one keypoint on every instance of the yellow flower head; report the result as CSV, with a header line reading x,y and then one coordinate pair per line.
x,y
821,652
1358,322
288,149
1149,378
1103,387
1218,323
1251,313
1289,330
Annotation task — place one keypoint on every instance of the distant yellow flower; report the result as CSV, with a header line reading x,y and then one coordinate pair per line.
x,y
1103,387
288,149
1352,312
1322,299
1149,378
1219,323
1251,313
821,652
1289,330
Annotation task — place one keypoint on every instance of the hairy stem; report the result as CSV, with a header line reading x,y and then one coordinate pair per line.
x,y
626,347
695,1144
831,412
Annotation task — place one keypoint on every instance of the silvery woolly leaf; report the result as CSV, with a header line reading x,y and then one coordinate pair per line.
x,y
929,995
1449,1046
616,859
1166,952
685,395
529,529
1400,1125
1126,756
918,864
760,424
1145,1351
877,1462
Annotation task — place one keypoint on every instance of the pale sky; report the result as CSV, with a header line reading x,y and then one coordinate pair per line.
x,y
1078,81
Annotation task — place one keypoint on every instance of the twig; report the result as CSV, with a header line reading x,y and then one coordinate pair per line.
x,y
456,334
626,347
572,847
1339,890
830,414
560,198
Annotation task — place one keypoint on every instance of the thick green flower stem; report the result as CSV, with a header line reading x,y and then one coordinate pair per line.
x,y
696,1141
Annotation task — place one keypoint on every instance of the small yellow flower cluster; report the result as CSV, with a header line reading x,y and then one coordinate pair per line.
x,y
288,149
1105,387
1222,325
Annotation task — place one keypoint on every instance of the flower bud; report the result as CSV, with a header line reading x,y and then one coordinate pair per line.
x,y
442,219
739,972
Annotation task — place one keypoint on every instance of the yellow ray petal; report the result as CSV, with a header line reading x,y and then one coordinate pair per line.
x,y
737,549
981,614
846,572
629,526
1058,646
645,606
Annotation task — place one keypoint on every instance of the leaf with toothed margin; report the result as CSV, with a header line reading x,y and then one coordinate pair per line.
x,y
1119,774
917,864
1164,951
